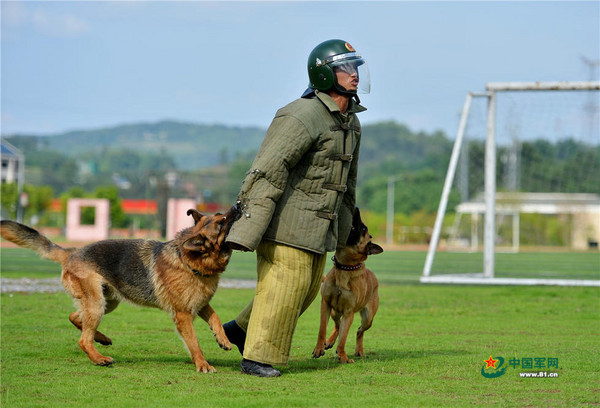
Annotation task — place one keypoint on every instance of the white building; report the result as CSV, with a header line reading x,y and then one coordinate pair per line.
x,y
13,163
583,208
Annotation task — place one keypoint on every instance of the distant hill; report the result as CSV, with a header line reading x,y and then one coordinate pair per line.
x,y
192,146
197,146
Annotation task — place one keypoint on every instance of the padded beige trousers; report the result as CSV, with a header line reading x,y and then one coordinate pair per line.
x,y
289,279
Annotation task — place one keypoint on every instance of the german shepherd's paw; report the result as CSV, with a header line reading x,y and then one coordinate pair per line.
x,y
329,345
318,352
344,359
104,361
223,343
102,339
205,368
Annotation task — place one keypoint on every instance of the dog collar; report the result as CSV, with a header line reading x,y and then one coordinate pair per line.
x,y
194,271
345,267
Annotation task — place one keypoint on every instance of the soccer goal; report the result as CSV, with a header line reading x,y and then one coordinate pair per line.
x,y
525,167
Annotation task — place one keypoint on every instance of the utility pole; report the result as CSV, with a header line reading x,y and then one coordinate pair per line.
x,y
389,233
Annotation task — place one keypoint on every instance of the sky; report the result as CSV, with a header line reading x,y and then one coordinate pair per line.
x,y
77,65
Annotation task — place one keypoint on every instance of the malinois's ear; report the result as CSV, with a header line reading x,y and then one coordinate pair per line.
x,y
356,215
374,249
196,214
196,244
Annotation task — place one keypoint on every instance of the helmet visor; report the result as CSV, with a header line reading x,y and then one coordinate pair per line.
x,y
358,70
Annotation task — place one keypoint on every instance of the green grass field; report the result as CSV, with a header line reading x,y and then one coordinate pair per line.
x,y
392,267
426,348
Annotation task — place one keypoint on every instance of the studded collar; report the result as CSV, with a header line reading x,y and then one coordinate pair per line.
x,y
343,267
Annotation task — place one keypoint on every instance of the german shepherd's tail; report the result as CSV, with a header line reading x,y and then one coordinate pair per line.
x,y
29,238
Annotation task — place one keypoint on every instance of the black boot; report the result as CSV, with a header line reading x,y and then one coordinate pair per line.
x,y
235,334
259,369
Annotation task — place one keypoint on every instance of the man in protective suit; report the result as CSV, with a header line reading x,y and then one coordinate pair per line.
x,y
297,200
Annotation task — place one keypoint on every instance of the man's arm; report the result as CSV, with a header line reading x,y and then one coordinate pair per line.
x,y
286,141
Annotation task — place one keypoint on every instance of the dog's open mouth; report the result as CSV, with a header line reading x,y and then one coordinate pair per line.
x,y
232,215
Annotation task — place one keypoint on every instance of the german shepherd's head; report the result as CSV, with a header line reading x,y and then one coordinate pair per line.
x,y
359,245
203,245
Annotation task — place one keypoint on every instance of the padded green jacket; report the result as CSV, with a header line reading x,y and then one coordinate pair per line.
x,y
301,188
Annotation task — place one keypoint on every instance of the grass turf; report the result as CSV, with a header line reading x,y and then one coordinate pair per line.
x,y
390,267
427,347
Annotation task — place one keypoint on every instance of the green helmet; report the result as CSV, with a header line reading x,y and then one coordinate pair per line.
x,y
331,55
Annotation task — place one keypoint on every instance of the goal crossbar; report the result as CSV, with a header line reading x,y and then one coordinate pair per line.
x,y
543,86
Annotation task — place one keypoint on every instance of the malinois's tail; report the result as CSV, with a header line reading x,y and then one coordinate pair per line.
x,y
27,237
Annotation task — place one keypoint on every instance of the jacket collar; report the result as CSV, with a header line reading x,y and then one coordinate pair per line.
x,y
328,101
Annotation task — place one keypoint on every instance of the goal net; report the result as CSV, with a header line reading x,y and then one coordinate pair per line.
x,y
526,165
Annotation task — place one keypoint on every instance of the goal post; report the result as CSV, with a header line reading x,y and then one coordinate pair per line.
x,y
486,275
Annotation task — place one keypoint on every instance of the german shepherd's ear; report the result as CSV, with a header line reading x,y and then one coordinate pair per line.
x,y
374,249
196,244
196,214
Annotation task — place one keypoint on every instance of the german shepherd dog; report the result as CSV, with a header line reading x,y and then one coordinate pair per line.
x,y
349,287
178,276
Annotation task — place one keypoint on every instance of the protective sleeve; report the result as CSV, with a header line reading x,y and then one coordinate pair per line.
x,y
286,141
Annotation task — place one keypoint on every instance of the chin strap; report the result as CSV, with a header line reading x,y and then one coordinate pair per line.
x,y
341,90
310,93
345,267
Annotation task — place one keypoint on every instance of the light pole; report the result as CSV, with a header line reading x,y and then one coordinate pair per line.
x,y
389,233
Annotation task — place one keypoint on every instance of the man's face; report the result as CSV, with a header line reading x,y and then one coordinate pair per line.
x,y
347,76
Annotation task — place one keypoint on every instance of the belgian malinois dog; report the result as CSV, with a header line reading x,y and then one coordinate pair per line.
x,y
179,277
349,287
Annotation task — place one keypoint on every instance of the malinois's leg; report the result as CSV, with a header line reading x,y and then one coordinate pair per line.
x,y
334,333
367,315
345,324
325,313
210,316
183,322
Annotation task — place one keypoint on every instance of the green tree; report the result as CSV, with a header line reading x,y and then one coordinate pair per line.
x,y
8,198
117,216
51,168
39,200
414,191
